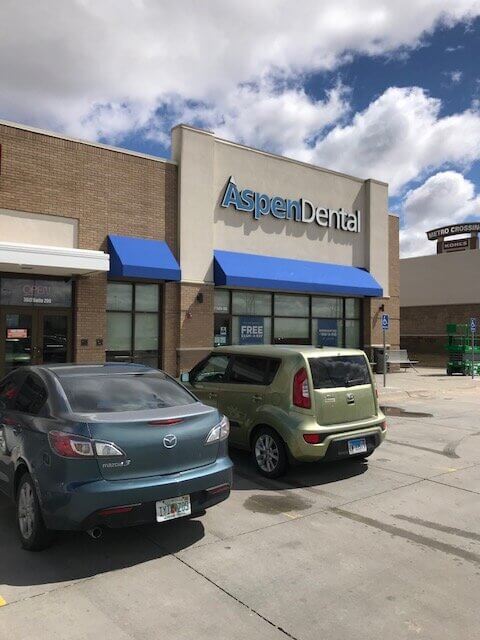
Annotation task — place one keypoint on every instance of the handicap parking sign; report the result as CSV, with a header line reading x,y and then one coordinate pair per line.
x,y
473,325
385,321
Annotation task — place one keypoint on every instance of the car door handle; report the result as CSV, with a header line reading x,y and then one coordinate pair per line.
x,y
212,395
257,398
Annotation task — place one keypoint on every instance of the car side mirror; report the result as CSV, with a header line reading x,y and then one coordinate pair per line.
x,y
185,377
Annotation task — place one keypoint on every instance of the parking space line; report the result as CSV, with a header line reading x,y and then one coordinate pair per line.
x,y
2,602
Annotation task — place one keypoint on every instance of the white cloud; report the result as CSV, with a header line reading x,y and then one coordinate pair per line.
x,y
445,198
268,117
101,68
399,137
454,76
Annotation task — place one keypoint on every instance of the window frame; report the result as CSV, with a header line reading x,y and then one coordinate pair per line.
x,y
133,312
230,315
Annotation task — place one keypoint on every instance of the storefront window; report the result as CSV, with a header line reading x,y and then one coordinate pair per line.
x,y
251,303
23,292
292,331
221,302
221,330
119,332
292,319
352,333
146,297
352,307
251,330
133,323
287,305
327,332
119,296
327,307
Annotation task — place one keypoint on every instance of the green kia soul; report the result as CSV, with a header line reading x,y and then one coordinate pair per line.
x,y
292,403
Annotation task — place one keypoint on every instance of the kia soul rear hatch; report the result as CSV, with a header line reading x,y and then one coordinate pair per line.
x,y
343,390
159,426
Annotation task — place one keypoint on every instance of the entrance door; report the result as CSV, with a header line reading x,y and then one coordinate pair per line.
x,y
33,336
18,339
54,331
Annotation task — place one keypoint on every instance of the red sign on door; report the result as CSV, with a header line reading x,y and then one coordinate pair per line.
x,y
16,333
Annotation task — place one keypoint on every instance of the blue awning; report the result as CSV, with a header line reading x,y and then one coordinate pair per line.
x,y
142,258
281,274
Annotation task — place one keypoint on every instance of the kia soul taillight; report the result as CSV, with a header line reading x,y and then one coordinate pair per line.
x,y
301,390
69,445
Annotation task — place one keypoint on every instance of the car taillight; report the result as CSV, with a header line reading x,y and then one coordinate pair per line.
x,y
301,391
165,423
68,445
383,426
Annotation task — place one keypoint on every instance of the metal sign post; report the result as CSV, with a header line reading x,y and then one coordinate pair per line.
x,y
473,330
385,328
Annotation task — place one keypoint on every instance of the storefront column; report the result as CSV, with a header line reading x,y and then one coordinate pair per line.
x,y
90,331
372,313
171,328
196,324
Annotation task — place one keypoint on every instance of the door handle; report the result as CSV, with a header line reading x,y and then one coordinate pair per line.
x,y
212,395
257,398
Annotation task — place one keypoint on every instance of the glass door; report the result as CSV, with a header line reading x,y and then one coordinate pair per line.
x,y
34,337
54,343
18,339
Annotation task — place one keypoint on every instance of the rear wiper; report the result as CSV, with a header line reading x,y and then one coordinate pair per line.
x,y
352,383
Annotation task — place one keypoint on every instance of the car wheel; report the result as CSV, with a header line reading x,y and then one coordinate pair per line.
x,y
269,453
34,535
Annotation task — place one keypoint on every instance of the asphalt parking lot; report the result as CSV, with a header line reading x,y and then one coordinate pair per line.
x,y
388,548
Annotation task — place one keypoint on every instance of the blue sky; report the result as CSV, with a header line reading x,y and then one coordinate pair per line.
x,y
373,88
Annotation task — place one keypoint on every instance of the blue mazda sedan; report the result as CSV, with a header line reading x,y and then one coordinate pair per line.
x,y
84,447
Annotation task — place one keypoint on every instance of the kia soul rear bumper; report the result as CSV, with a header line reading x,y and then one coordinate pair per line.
x,y
77,506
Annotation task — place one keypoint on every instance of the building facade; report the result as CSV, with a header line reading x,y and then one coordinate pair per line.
x,y
107,254
437,290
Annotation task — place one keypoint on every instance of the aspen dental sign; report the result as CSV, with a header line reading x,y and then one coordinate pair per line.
x,y
301,210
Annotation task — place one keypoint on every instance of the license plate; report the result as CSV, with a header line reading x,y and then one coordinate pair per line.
x,y
359,445
173,508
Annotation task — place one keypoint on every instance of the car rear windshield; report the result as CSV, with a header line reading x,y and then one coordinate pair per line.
x,y
339,371
106,393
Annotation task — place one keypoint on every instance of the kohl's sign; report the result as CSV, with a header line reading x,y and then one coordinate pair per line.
x,y
300,210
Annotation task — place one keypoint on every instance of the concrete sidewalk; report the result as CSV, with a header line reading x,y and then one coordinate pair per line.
x,y
424,382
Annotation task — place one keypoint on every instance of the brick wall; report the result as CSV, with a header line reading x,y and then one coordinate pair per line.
x,y
108,192
196,323
423,329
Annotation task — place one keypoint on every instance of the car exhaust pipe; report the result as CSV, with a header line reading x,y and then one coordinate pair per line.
x,y
95,533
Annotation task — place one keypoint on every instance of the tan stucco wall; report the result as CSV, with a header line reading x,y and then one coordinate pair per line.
x,y
443,279
30,228
206,163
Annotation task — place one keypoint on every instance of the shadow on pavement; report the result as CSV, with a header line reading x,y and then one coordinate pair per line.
x,y
300,476
75,556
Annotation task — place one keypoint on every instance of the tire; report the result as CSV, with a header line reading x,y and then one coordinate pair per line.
x,y
34,535
449,371
269,453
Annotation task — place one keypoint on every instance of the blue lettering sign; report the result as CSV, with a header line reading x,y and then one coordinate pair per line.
x,y
301,210
327,332
251,330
